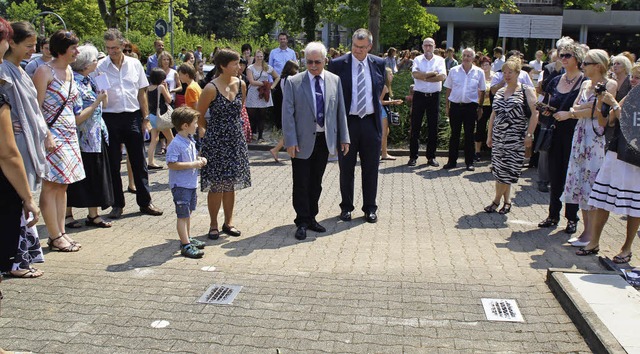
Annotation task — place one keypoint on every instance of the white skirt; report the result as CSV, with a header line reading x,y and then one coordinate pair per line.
x,y
617,187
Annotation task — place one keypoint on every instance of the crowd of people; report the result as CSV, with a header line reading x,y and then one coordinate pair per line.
x,y
68,118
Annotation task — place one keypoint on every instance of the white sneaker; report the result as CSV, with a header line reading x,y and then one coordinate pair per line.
x,y
579,243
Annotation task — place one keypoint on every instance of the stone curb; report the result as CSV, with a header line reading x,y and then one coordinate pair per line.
x,y
595,333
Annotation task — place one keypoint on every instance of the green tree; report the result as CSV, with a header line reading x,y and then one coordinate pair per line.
x,y
23,11
219,17
399,19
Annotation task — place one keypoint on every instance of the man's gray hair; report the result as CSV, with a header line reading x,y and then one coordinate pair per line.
x,y
87,54
113,34
315,47
469,49
361,34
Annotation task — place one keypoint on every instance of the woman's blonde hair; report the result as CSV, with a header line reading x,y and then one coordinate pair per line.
x,y
601,57
388,73
513,63
162,55
265,65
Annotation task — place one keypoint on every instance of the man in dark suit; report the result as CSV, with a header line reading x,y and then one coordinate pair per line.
x,y
314,122
362,77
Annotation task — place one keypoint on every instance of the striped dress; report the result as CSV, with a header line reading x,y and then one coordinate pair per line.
x,y
65,162
507,135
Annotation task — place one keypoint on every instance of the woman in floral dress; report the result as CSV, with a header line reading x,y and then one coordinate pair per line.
x,y
587,149
223,145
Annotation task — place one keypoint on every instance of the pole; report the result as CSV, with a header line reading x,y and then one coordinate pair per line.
x,y
171,24
126,12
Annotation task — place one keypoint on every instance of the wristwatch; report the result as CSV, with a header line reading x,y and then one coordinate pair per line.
x,y
617,107
529,135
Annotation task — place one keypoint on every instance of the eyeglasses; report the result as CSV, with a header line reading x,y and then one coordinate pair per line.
x,y
566,55
315,62
126,50
588,63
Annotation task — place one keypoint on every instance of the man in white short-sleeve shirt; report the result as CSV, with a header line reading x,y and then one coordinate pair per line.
x,y
465,94
428,72
123,115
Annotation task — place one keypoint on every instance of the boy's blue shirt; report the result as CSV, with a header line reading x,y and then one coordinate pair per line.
x,y
182,150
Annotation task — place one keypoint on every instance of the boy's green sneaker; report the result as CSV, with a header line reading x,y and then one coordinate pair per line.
x,y
199,244
190,251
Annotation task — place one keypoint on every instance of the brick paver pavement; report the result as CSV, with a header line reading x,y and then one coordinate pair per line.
x,y
411,283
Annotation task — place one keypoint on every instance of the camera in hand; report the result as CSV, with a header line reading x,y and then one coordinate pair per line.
x,y
600,88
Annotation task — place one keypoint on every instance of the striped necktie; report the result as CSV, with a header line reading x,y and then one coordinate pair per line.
x,y
362,88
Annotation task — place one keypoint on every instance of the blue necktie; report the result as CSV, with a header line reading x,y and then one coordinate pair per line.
x,y
319,103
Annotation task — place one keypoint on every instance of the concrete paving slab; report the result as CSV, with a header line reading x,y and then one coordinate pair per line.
x,y
410,283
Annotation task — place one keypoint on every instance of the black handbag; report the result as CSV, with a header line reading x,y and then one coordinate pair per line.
x,y
545,135
392,115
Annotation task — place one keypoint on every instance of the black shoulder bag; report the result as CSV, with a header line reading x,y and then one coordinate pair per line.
x,y
543,141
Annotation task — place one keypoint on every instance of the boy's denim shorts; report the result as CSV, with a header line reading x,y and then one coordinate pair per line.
x,y
185,200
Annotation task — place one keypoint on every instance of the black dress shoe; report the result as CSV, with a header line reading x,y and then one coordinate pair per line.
x,y
315,226
115,213
432,163
471,168
412,162
151,210
345,215
449,166
301,233
371,217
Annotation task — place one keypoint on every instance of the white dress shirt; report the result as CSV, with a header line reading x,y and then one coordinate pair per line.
x,y
497,64
464,86
312,80
422,64
536,65
523,78
353,110
125,83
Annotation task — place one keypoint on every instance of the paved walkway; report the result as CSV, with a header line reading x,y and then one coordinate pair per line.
x,y
411,283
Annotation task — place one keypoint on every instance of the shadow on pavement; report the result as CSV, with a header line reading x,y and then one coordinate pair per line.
x,y
151,256
482,220
283,236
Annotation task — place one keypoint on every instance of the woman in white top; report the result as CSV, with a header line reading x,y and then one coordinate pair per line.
x,y
165,62
258,75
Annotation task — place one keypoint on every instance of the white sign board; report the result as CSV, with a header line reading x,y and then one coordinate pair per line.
x,y
530,26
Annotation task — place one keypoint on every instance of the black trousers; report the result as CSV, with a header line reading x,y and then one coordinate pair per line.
x,y
307,182
257,118
126,128
462,114
10,210
366,141
559,154
430,104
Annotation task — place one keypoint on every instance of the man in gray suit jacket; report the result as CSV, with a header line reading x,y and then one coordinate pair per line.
x,y
314,122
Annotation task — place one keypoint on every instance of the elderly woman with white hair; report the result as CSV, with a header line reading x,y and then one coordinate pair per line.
x,y
96,189
621,69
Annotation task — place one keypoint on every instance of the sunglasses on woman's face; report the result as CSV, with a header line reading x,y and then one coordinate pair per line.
x,y
126,50
566,55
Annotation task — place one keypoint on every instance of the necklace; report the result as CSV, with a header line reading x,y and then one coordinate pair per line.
x,y
228,89
569,82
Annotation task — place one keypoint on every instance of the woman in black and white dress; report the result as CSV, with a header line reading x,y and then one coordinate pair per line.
x,y
511,130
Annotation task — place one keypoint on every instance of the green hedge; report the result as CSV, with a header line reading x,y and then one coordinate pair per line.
x,y
182,39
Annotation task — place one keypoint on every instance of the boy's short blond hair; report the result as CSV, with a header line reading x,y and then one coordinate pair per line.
x,y
183,115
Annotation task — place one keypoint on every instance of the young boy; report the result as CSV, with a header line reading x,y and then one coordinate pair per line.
x,y
183,163
187,75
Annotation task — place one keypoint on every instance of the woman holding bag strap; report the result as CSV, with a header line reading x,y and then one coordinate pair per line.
x,y
58,95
